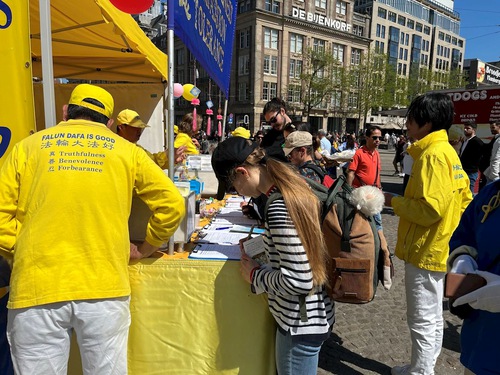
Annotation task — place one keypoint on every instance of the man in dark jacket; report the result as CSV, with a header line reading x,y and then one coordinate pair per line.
x,y
470,152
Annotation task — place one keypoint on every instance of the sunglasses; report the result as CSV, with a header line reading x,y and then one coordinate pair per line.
x,y
273,119
376,138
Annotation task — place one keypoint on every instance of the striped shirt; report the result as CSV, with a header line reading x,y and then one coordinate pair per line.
x,y
288,275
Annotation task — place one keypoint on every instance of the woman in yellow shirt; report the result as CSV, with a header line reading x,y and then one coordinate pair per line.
x,y
186,134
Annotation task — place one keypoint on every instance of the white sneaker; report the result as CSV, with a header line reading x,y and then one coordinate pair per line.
x,y
400,370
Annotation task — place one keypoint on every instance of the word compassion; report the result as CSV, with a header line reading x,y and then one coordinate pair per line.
x,y
321,20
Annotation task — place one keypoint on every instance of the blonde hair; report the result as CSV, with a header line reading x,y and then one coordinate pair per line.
x,y
303,207
186,124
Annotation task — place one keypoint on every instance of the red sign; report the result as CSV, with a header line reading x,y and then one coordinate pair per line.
x,y
479,105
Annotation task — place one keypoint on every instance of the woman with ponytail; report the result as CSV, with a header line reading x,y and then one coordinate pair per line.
x,y
295,276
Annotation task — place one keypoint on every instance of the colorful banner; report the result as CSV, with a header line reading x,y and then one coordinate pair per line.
x,y
16,97
207,28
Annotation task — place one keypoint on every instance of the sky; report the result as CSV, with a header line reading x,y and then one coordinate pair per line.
x,y
480,26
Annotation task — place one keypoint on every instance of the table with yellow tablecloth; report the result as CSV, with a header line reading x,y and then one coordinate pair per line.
x,y
194,317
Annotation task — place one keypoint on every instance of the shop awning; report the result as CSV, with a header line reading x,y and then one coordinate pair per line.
x,y
93,40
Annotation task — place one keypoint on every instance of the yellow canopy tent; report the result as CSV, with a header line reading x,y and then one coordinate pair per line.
x,y
93,40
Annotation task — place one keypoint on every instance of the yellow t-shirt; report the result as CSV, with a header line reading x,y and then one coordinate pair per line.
x,y
65,200
184,139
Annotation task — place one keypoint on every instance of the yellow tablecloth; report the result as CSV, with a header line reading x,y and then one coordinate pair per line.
x,y
196,317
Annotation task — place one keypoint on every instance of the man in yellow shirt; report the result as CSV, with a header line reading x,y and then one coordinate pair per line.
x,y
434,199
65,200
130,126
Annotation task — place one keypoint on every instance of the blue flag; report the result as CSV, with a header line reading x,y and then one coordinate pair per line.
x,y
207,28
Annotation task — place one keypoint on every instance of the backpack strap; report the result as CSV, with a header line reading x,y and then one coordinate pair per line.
x,y
340,187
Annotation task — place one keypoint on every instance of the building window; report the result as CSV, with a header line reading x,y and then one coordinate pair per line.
x,y
402,36
180,57
320,4
419,27
382,13
341,7
336,99
295,68
358,30
269,90
401,20
270,65
392,16
242,91
379,47
338,52
244,6
318,45
273,6
270,38
380,31
294,93
355,56
296,42
410,24
245,38
179,74
243,64
320,72
427,30
353,100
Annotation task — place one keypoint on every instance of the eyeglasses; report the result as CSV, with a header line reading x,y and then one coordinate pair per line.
x,y
274,119
376,137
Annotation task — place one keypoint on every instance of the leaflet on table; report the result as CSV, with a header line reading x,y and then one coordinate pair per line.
x,y
221,237
228,211
247,229
233,228
234,220
210,251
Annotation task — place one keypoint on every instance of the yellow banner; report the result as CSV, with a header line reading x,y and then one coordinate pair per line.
x,y
17,119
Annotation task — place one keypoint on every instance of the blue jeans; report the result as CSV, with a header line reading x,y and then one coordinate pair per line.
x,y
294,358
472,179
378,221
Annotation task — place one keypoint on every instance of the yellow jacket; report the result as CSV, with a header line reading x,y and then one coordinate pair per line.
x,y
65,200
435,198
183,139
160,158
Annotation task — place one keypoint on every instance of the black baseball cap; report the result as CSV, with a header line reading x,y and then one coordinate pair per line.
x,y
228,155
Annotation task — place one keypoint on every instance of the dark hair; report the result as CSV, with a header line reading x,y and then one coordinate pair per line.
x,y
434,108
77,112
274,105
369,131
297,125
471,123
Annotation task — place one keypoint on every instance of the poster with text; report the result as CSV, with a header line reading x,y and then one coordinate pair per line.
x,y
207,28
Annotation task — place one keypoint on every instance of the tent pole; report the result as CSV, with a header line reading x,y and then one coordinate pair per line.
x,y
49,98
224,120
170,100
